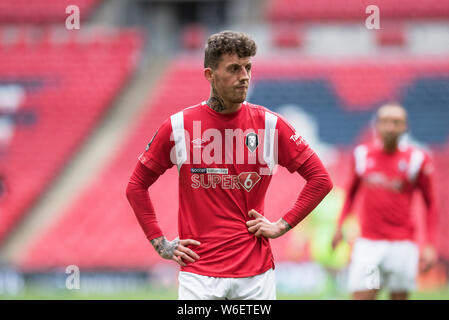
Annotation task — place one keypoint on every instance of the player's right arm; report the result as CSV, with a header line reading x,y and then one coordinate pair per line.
x,y
351,192
428,256
153,163
176,250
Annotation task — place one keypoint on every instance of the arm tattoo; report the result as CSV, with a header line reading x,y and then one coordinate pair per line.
x,y
286,225
164,247
215,102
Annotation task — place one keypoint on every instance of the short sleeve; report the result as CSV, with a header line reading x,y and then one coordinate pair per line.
x,y
427,167
293,150
426,171
157,153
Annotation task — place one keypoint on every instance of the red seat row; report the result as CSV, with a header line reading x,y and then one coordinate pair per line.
x,y
42,11
354,10
70,92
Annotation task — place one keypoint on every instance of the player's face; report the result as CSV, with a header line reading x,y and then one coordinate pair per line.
x,y
391,123
231,78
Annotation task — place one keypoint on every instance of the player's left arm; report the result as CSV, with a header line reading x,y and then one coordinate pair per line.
x,y
317,187
425,184
295,154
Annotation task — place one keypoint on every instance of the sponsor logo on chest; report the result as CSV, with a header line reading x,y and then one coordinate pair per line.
x,y
377,175
218,177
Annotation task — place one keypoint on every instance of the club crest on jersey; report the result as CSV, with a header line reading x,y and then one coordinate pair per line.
x,y
251,141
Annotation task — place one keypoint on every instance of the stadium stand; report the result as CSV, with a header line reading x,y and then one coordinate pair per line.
x,y
354,10
99,229
391,36
52,94
42,11
286,36
193,36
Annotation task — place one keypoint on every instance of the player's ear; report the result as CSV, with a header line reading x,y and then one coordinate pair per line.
x,y
208,74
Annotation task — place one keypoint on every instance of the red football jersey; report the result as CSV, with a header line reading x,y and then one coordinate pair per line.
x,y
225,164
386,182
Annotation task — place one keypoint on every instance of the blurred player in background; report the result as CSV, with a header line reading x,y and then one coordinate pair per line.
x,y
385,175
223,245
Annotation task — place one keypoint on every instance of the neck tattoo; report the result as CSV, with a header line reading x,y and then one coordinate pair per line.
x,y
215,102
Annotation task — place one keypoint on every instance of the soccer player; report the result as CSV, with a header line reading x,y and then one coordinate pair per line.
x,y
225,150
385,175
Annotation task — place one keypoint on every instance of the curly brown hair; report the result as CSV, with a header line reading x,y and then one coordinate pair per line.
x,y
229,42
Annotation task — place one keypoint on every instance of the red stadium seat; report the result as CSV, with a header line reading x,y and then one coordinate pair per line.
x,y
287,37
74,85
391,36
354,10
193,36
42,11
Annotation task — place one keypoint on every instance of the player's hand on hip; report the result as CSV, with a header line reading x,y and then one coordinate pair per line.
x,y
261,226
338,237
176,250
428,258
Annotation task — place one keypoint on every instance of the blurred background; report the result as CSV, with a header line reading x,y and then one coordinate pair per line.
x,y
78,105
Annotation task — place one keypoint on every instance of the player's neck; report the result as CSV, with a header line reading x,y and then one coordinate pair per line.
x,y
390,147
216,103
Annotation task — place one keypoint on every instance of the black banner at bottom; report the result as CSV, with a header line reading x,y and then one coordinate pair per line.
x,y
224,309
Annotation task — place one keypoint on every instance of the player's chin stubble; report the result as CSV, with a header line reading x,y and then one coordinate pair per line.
x,y
238,97
216,102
